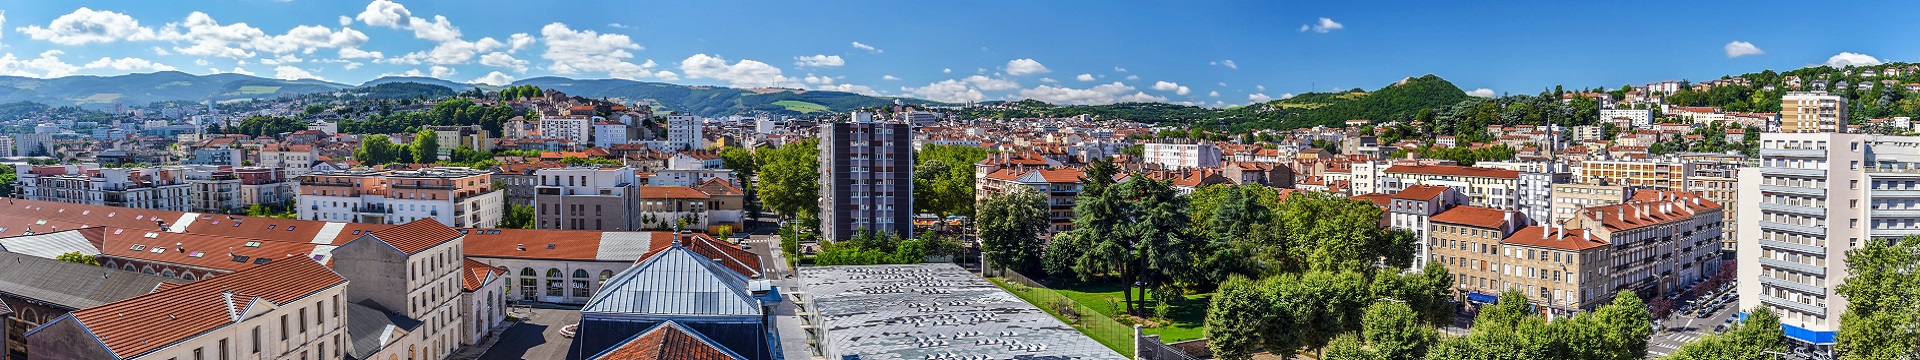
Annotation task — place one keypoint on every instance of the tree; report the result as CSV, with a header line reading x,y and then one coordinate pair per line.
x,y
1752,339
78,258
517,217
1883,301
375,150
1010,228
1234,223
1628,326
947,188
1061,255
789,178
740,160
1349,347
426,146
1426,292
1326,232
1236,318
1395,332
7,178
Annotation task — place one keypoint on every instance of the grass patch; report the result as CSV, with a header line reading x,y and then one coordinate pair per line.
x,y
1048,300
801,106
1185,320
256,90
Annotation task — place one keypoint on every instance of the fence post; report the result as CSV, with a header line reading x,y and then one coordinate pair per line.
x,y
1137,355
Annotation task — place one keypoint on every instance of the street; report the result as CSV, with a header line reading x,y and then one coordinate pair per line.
x,y
1684,328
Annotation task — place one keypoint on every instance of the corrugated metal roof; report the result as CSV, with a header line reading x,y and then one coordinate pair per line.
x,y
675,282
372,329
49,245
71,285
623,246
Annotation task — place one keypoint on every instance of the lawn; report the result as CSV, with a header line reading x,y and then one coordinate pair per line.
x,y
1112,335
801,106
1187,321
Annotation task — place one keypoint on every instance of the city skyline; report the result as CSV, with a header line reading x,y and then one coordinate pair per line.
x,y
1208,54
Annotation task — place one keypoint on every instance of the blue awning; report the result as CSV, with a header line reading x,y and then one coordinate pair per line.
x,y
1485,298
1808,335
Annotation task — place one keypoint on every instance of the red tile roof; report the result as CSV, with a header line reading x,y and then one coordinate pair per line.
x,y
1452,170
1489,218
1564,239
196,250
1420,192
668,341
1378,199
732,256
1061,175
476,273
1649,208
417,236
135,326
583,245
718,187
671,192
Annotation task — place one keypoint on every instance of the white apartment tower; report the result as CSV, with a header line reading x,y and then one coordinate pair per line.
x,y
1812,112
684,132
1813,197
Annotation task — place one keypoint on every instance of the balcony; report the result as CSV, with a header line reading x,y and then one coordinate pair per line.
x,y
1877,232
1821,192
1816,270
1808,230
430,186
1791,209
373,210
1790,171
1805,153
1794,247
1816,310
1898,213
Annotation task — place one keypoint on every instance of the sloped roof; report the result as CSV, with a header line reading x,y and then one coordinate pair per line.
x,y
417,236
141,324
583,245
475,273
1565,239
671,192
1420,192
1476,216
207,251
732,256
71,285
677,281
372,328
718,187
668,340
52,244
1452,170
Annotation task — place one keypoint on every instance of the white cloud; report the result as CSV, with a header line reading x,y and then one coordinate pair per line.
x,y
1286,96
1324,26
665,75
1741,48
949,90
288,72
1025,66
47,65
868,48
857,89
207,37
236,70
1133,77
1257,98
385,13
1261,88
991,84
356,53
202,62
519,41
1084,77
502,60
819,61
127,64
580,51
408,73
1102,94
493,78
309,37
1049,80
1215,93
344,20
1171,86
619,26
438,30
85,25
745,73
889,77
946,71
1481,92
1119,69
156,50
351,65
283,59
442,72
1846,59
1228,63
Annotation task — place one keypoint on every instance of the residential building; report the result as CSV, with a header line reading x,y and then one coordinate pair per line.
x,y
1535,197
1182,155
1708,175
1465,239
1484,187
1410,210
1569,199
6,147
39,290
411,277
1812,198
609,132
289,309
684,132
602,198
1812,112
455,196
214,189
866,178
1058,186
159,188
264,185
296,159
472,137
482,300
573,128
1658,241
664,207
1628,118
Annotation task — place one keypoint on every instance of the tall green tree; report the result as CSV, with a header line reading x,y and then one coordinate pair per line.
x,y
376,150
425,146
1882,288
1757,338
1395,332
1236,319
1010,227
517,217
789,178
946,188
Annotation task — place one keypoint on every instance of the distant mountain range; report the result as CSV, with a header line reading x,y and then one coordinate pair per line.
x,y
140,89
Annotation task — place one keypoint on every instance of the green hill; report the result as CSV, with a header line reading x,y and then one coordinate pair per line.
x,y
1403,100
140,89
709,100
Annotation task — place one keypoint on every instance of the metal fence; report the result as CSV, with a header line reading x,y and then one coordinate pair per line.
x,y
1100,327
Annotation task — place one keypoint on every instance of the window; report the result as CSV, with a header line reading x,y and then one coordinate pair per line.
x,y
256,339
223,349
199,353
303,320
283,328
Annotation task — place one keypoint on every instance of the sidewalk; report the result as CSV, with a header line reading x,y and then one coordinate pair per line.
x,y
474,351
794,341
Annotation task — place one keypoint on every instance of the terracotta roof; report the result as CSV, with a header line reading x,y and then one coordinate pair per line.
x,y
135,326
732,256
1489,218
718,187
670,192
582,245
197,250
1005,174
1649,208
1566,239
1061,175
476,273
1381,200
1420,192
1452,170
668,340
417,236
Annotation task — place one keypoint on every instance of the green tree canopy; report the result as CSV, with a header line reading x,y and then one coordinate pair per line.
x,y
1010,227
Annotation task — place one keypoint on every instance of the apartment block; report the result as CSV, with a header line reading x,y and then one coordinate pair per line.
x,y
1484,187
574,127
289,309
605,198
866,178
1812,198
1182,155
684,132
454,196
158,188
1569,199
1812,112
1058,186
1412,208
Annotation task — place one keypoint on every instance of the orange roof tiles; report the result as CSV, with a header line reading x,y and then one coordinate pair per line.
x,y
196,250
1564,239
135,326
532,244
732,256
668,341
1381,200
671,192
417,236
1489,218
1452,170
1420,192
475,273
1060,175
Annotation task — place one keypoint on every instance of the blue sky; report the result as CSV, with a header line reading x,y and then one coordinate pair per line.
x,y
1213,53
